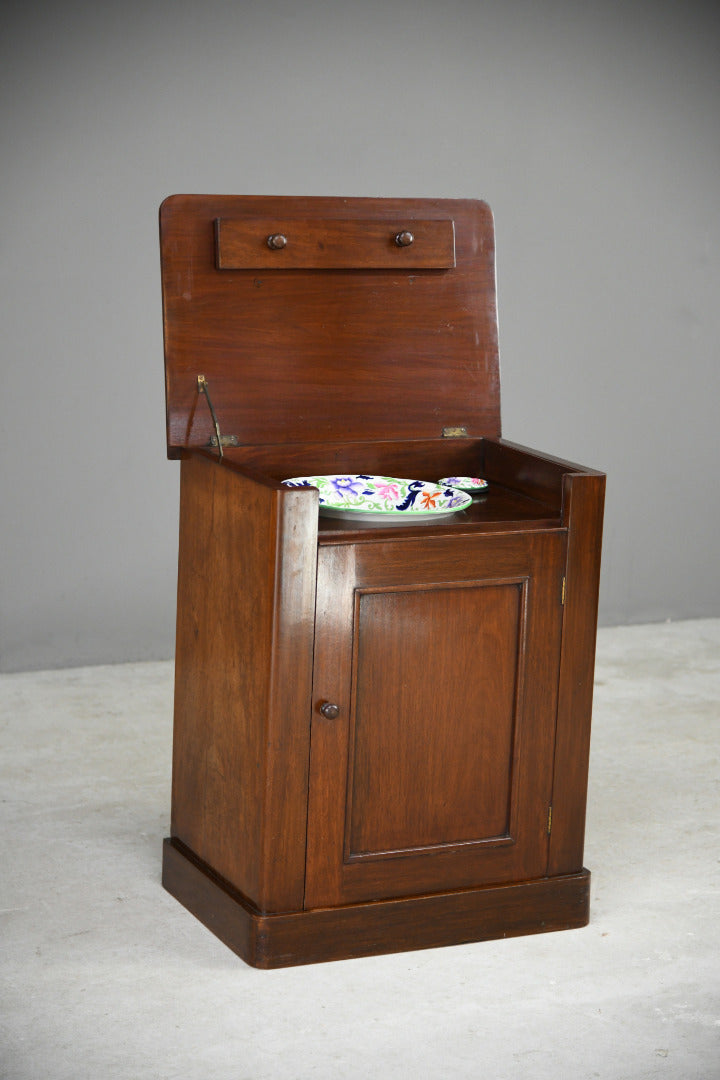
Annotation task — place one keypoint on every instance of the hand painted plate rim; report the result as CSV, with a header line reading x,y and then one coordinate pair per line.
x,y
465,483
395,517
363,513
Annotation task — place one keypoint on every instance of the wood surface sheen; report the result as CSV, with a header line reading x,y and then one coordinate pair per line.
x,y
243,678
334,245
459,653
301,355
354,930
485,745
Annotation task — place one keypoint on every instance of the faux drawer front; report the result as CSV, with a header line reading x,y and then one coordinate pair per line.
x,y
335,245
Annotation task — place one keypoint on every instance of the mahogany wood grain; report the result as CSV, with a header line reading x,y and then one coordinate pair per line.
x,y
414,810
431,737
584,501
296,356
356,930
521,470
246,591
392,762
497,509
434,457
335,244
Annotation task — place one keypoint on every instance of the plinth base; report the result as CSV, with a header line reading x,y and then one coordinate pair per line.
x,y
383,926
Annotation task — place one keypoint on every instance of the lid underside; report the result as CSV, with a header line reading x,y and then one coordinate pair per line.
x,y
347,331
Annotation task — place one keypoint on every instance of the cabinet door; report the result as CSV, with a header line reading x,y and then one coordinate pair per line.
x,y
434,771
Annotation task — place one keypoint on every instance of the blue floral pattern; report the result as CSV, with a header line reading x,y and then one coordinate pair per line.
x,y
465,483
382,496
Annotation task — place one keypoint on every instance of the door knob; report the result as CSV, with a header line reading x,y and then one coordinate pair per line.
x,y
329,710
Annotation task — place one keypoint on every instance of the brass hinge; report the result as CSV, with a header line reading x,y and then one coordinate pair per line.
x,y
225,440
454,433
549,820
562,599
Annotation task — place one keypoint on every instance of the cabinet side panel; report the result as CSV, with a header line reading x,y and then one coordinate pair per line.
x,y
583,501
284,832
223,765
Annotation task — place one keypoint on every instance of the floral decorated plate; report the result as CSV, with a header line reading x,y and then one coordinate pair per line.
x,y
465,483
382,498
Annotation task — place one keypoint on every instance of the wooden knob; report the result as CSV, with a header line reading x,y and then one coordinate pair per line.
x,y
276,241
330,711
404,239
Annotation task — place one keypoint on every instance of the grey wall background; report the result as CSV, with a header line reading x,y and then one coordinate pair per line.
x,y
592,129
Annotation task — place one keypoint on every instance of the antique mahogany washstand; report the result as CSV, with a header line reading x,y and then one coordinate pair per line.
x,y
381,731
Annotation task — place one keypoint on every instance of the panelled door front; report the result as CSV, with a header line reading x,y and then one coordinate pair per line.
x,y
434,699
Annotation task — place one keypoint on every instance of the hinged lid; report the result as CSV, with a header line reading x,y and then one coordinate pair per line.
x,y
328,319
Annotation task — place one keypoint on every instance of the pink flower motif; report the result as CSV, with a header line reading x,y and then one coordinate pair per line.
x,y
389,492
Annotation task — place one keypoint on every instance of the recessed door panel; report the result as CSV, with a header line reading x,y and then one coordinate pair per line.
x,y
433,717
432,770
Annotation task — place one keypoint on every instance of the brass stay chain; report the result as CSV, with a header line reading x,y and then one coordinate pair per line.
x,y
204,389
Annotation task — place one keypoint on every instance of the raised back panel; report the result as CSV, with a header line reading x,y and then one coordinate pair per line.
x,y
341,332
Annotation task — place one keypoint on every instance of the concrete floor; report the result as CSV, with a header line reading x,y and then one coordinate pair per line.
x,y
105,976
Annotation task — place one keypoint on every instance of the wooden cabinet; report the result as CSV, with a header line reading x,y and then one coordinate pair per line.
x,y
381,732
